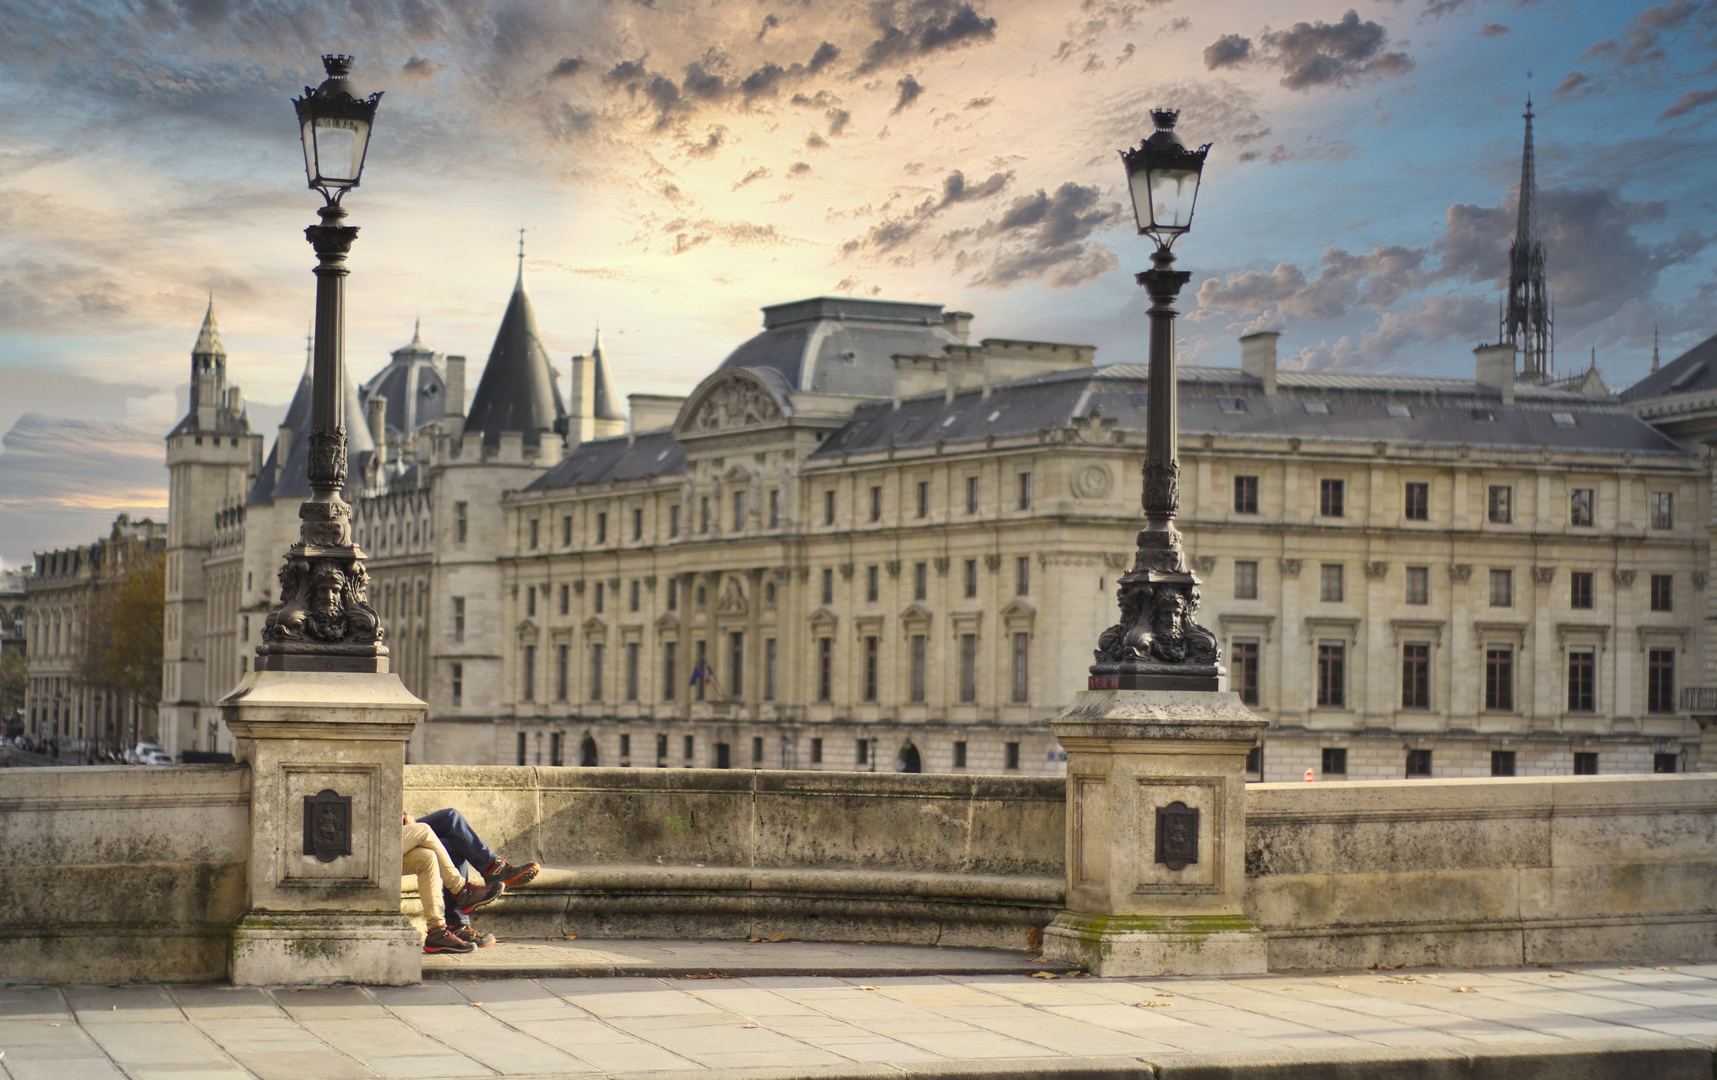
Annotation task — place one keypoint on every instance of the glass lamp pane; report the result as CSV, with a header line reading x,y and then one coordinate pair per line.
x,y
1172,194
340,150
1141,188
308,136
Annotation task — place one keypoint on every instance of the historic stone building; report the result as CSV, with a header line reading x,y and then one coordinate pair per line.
x,y
64,704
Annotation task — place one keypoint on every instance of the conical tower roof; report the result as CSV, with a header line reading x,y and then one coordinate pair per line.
x,y
293,482
209,337
606,405
517,392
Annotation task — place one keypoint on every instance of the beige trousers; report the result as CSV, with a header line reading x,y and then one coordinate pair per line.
x,y
428,860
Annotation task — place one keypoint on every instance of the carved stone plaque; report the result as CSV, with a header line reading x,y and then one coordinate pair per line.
x,y
327,825
1177,835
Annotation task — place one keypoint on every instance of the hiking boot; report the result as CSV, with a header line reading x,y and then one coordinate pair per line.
x,y
472,897
473,935
513,877
440,940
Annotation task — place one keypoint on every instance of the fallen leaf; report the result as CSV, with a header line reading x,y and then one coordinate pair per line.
x,y
1557,975
1078,974
748,1025
1162,994
1627,969
1465,990
778,937
113,1008
1666,969
1433,976
754,939
476,1004
1152,1004
53,1025
1040,960
570,937
867,988
1044,975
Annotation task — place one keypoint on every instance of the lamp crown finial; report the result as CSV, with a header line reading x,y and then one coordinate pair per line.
x,y
1165,118
337,65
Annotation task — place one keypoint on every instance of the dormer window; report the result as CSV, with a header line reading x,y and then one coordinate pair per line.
x,y
1562,419
1230,404
1318,408
1398,412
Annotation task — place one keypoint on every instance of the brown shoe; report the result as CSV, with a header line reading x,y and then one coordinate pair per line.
x,y
440,940
472,897
513,877
476,937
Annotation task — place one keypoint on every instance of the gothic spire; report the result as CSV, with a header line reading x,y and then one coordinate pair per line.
x,y
1527,318
209,337
1654,360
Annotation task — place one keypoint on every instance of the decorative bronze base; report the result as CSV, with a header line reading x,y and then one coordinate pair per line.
x,y
1189,677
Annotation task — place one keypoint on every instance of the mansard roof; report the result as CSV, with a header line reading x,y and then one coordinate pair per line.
x,y
842,344
413,384
1695,369
655,453
1226,402
294,481
518,391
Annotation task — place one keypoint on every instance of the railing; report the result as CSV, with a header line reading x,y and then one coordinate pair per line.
x,y
1699,699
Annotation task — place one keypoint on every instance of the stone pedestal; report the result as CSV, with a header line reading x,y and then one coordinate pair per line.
x,y
327,759
1156,834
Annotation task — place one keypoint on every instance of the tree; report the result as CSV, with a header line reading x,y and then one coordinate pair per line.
x,y
12,682
124,627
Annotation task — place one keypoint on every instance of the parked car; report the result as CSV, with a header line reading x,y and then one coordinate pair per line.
x,y
156,757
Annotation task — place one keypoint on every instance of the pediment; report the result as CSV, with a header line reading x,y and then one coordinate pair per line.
x,y
916,615
730,399
594,625
668,623
527,628
1019,609
824,617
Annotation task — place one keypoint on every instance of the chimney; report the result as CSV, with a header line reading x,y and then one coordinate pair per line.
x,y
958,323
455,386
1258,357
581,401
1495,369
235,400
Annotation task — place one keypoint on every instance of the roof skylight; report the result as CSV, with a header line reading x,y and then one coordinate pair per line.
x,y
1399,412
1318,408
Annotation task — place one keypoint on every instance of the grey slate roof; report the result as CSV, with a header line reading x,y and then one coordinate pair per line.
x,y
294,482
842,344
1440,412
517,391
414,386
1695,369
598,461
607,404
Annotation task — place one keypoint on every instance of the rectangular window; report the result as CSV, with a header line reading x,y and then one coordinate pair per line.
x,y
739,507
871,662
602,528
670,675
971,579
565,598
861,752
596,671
1416,506
1660,681
632,598
1662,510
701,671
637,523
1582,680
876,504
521,747
923,498
920,581
817,751
703,514
1580,590
1331,583
1334,761
872,583
1332,675
1665,763
757,750
458,618
968,667
919,665
1418,764
530,601
828,507
769,668
1501,504
1022,667
1502,762
688,747
625,748
723,756
1416,675
1580,506
1585,763
1243,670
774,507
825,669
828,586
1663,592
1499,678
560,673
1418,585
673,594
533,543
959,754
528,691
1245,494
1502,588
971,494
1245,579
1025,491
461,522
736,666
1022,575
601,597
1010,755
1255,764
673,521
632,650
566,531
456,681
1331,498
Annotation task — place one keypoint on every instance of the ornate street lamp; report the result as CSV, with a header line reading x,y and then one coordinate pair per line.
x,y
1157,645
323,621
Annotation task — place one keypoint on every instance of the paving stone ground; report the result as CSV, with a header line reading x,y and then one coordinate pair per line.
x,y
1645,1022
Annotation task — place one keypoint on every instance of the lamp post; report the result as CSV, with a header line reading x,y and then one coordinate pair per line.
x,y
1157,645
323,620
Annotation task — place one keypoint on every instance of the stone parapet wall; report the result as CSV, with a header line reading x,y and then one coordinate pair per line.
x,y
122,873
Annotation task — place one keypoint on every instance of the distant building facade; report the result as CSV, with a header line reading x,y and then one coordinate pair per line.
x,y
64,706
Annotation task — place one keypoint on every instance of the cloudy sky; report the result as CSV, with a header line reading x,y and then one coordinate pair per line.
x,y
678,163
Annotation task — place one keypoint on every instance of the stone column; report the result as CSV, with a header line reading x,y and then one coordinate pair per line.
x,y
327,759
1156,834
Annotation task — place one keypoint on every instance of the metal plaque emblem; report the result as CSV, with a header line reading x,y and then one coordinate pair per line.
x,y
328,825
1177,835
